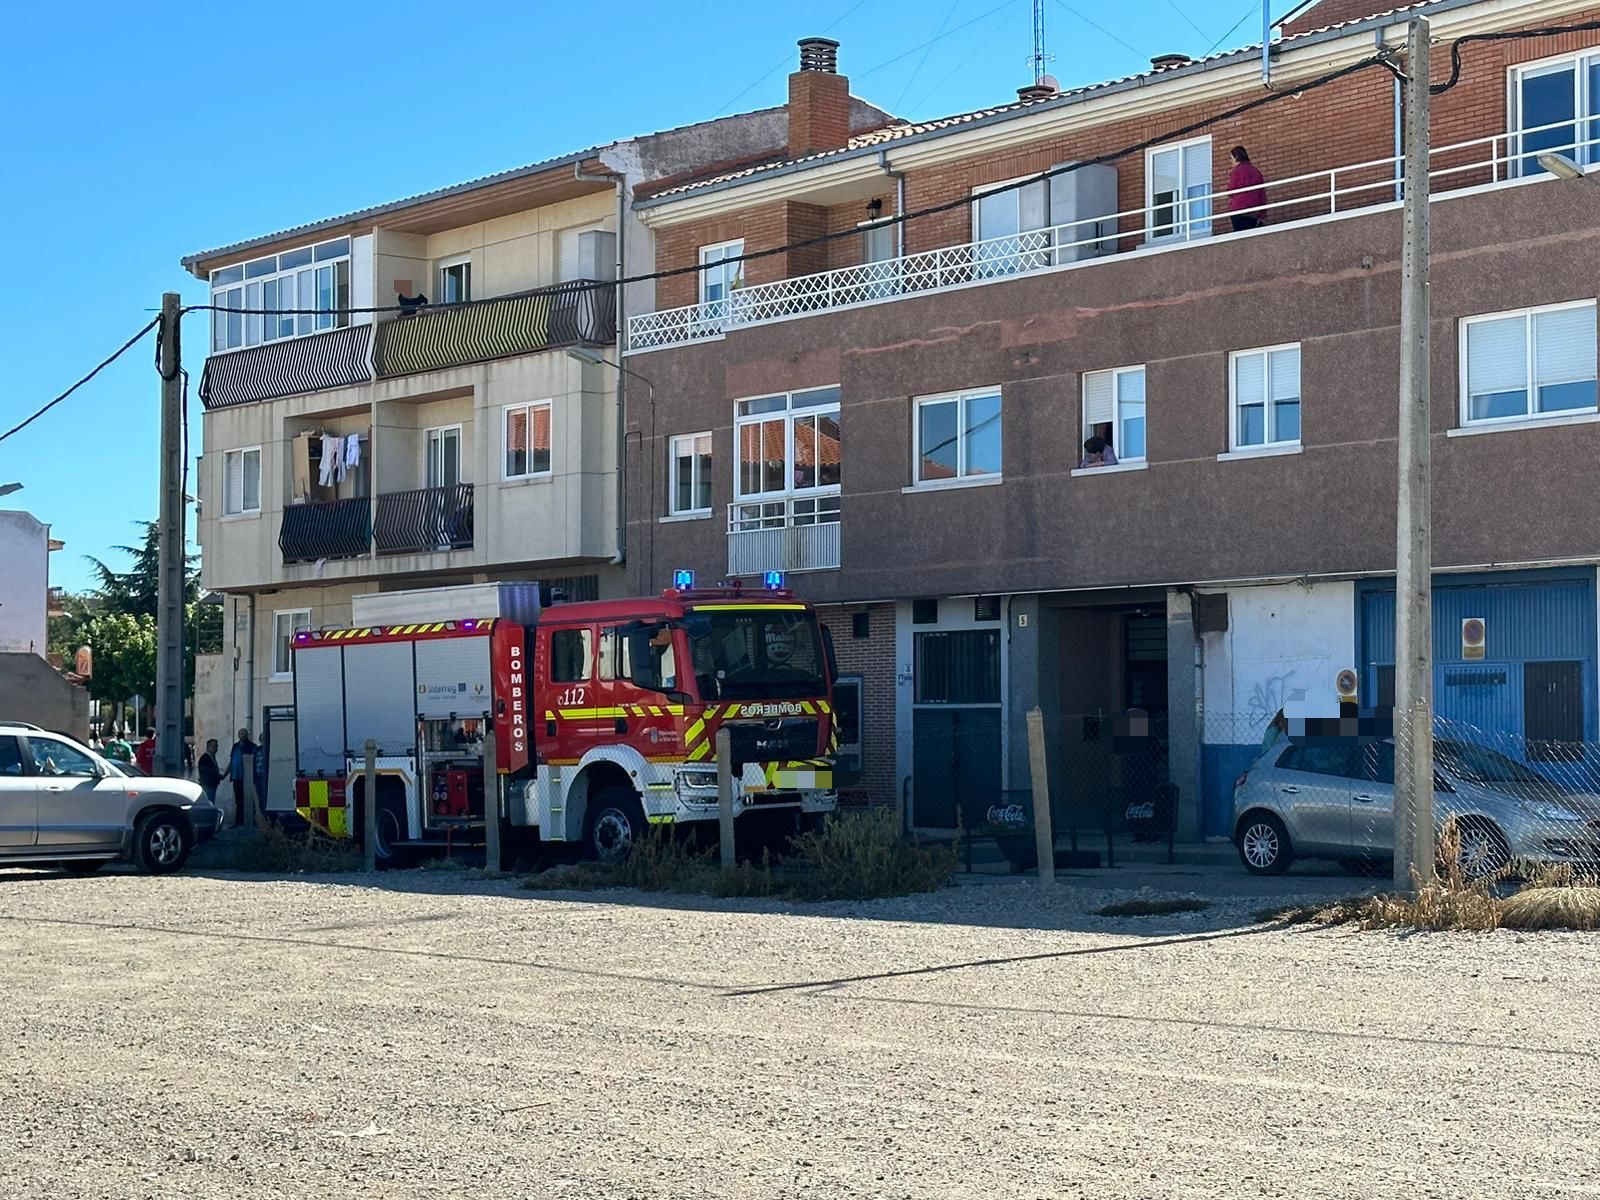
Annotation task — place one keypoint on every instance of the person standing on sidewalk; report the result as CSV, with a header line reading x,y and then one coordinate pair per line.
x,y
236,755
210,773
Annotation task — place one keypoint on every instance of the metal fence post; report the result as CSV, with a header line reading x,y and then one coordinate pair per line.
x,y
725,796
369,806
1043,833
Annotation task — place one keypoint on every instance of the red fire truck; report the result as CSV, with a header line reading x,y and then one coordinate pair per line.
x,y
604,713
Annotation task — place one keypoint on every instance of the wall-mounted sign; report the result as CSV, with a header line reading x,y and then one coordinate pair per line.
x,y
1345,684
1473,637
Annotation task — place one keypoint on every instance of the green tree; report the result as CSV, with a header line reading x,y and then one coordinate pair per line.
x,y
124,647
137,590
66,630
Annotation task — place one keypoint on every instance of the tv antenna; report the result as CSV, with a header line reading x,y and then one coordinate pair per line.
x,y
1039,58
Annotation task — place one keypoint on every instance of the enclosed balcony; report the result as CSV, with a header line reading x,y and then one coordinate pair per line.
x,y
791,534
570,314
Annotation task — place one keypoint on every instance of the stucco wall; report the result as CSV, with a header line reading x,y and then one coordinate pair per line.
x,y
24,583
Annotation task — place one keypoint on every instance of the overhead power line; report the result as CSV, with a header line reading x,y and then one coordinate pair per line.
x,y
103,364
1093,24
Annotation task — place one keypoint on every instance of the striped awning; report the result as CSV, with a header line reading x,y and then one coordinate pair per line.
x,y
336,358
569,314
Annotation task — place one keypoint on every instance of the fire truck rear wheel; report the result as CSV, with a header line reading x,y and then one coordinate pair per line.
x,y
614,825
391,829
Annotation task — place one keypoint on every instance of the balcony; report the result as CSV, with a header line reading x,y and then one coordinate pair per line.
x,y
425,520
795,533
1296,201
291,367
326,529
581,312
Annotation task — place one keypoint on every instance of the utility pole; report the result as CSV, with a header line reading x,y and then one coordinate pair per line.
x,y
1413,633
169,579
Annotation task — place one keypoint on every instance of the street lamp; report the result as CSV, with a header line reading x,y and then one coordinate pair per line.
x,y
594,358
7,488
1563,167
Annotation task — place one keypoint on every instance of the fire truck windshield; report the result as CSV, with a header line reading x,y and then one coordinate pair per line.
x,y
753,654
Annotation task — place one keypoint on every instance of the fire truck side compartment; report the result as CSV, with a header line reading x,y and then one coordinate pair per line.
x,y
319,709
380,697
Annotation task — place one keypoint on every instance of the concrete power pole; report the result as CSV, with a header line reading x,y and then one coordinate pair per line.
x,y
1413,632
169,594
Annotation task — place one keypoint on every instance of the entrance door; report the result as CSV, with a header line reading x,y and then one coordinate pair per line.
x,y
1552,699
19,796
1372,801
955,725
444,456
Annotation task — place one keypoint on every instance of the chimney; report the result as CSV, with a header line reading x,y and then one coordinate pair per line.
x,y
1042,89
819,100
1169,62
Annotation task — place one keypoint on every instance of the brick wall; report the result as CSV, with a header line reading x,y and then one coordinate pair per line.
x,y
819,112
873,659
1332,12
1351,121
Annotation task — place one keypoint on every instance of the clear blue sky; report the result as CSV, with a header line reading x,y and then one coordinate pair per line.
x,y
132,135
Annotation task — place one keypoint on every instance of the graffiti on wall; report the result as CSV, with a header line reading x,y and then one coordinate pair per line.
x,y
1268,685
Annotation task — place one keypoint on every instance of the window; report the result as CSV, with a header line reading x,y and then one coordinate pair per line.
x,y
1534,363
1330,757
52,757
444,456
958,667
284,626
925,612
878,242
616,656
691,473
1177,187
309,277
1008,229
455,281
241,481
720,276
1548,101
1113,409
1265,389
787,443
570,652
527,440
958,437
10,756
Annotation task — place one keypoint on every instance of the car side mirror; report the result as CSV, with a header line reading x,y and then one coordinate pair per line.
x,y
642,660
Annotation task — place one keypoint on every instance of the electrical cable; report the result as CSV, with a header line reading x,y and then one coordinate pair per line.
x,y
1510,35
971,54
104,363
923,61
770,71
1096,25
951,32
1248,13
1178,8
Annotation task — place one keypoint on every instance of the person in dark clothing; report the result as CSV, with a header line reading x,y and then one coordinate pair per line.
x,y
210,772
1246,194
236,755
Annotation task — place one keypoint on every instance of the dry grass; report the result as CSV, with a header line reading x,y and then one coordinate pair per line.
x,y
1153,908
1568,907
271,851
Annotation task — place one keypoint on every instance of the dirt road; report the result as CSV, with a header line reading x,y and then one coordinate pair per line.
x,y
213,1037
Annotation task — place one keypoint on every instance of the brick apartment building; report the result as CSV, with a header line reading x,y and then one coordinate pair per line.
x,y
895,417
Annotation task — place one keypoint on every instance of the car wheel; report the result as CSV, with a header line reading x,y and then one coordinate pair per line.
x,y
1264,845
391,831
1483,852
161,843
614,825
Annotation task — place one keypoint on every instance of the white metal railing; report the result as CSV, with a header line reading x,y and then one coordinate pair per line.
x,y
1323,193
789,533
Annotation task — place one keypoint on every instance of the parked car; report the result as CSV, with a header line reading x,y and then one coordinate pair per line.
x,y
1334,798
61,804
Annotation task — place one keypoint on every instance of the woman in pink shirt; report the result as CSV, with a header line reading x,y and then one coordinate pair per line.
x,y
1246,196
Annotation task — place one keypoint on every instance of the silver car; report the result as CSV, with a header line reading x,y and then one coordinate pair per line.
x,y
1334,798
63,805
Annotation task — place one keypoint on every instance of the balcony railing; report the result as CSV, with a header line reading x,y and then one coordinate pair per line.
x,y
569,314
795,533
426,519
291,367
1318,194
326,529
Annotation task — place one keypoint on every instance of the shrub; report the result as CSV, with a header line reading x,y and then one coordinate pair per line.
x,y
1562,907
1153,908
271,851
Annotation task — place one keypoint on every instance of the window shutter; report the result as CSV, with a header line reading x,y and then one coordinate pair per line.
x,y
1285,374
1249,382
1099,400
1564,346
1197,166
1497,356
1034,206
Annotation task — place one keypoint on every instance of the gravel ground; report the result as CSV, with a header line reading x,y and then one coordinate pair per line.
x,y
441,1036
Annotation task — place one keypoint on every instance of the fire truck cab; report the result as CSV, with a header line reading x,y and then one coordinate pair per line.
x,y
605,716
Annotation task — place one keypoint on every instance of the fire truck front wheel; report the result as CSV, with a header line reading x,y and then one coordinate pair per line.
x,y
614,825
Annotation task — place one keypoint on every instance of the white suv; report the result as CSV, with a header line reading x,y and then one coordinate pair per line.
x,y
63,805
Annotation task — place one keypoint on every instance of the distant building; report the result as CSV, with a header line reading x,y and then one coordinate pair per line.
x,y
31,689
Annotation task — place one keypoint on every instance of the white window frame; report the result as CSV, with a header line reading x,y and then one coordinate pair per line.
x,y
1117,374
285,642
254,291
450,264
527,406
1529,367
962,477
788,414
230,456
1184,226
434,435
716,270
999,259
696,479
1585,106
1269,415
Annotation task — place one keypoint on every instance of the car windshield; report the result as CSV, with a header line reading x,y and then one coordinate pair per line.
x,y
755,653
1482,765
